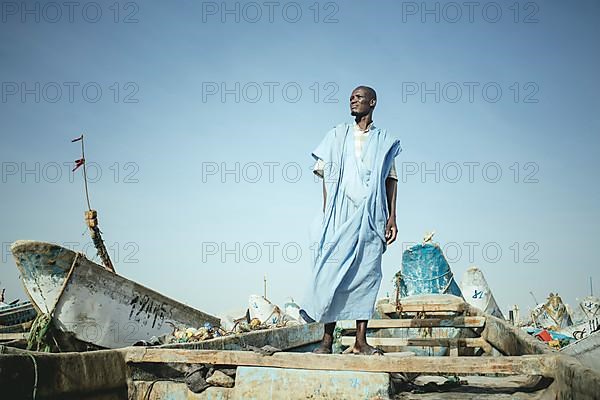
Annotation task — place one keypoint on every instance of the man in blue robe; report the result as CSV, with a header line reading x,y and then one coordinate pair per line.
x,y
358,221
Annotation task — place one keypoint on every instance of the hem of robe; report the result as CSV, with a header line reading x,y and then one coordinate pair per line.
x,y
347,316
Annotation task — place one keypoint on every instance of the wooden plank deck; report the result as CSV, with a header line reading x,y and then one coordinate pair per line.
x,y
390,308
521,365
458,322
13,336
283,338
428,341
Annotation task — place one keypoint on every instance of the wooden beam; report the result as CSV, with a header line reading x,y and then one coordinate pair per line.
x,y
4,337
17,328
510,340
283,338
426,308
458,322
522,365
428,341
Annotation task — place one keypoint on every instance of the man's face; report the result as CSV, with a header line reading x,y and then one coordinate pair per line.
x,y
360,102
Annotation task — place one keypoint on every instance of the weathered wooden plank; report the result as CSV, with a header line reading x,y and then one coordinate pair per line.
x,y
264,383
17,328
160,390
522,365
13,336
283,338
414,307
458,322
575,381
62,376
428,341
510,340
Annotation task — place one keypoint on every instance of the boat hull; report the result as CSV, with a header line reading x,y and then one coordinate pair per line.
x,y
586,350
425,272
93,305
477,292
16,315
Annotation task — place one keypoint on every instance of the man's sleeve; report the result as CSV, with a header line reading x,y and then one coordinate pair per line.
x,y
319,167
323,152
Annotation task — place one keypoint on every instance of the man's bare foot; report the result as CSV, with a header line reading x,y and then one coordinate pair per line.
x,y
322,349
363,349
327,343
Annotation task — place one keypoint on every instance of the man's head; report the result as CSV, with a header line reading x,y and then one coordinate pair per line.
x,y
362,101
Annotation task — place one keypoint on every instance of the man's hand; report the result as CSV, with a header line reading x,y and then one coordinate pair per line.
x,y
391,230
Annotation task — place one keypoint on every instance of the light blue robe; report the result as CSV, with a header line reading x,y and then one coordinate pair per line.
x,y
348,239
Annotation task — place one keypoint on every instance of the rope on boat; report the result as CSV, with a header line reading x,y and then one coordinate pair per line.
x,y
91,218
400,278
149,389
38,332
398,281
427,279
35,375
38,335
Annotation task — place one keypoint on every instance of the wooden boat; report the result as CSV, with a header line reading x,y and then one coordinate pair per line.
x,y
90,307
589,308
523,367
477,292
586,318
16,314
586,350
424,272
15,321
551,315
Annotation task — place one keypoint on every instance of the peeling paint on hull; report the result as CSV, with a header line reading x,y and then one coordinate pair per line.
x,y
96,305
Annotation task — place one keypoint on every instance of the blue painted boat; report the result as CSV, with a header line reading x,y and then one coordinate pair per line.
x,y
425,272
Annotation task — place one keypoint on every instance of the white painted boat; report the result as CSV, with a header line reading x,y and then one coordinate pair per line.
x,y
477,292
93,307
586,350
552,315
589,309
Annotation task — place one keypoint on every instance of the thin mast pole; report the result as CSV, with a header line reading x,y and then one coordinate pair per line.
x,y
87,195
534,299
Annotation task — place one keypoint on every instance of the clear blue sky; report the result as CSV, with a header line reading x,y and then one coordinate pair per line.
x,y
161,127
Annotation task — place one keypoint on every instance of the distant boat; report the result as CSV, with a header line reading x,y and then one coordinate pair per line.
x,y
92,307
15,321
477,292
552,315
15,315
586,319
589,308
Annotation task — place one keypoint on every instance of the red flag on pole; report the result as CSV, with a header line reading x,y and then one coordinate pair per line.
x,y
77,139
78,163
